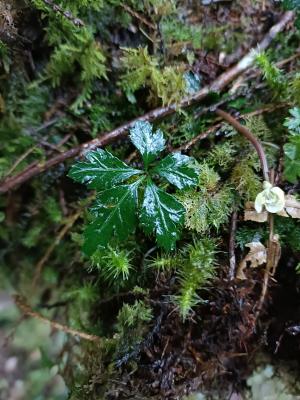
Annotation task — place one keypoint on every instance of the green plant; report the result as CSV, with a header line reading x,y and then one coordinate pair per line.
x,y
196,273
245,180
272,74
209,204
142,70
293,122
118,205
5,60
292,147
177,31
131,326
112,263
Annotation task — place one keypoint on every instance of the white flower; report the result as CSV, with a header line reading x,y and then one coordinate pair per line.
x,y
271,197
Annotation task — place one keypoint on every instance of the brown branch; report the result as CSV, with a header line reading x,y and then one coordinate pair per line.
x,y
186,146
138,16
31,149
217,86
251,138
27,310
20,159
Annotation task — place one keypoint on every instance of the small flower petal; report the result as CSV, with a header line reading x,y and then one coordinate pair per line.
x,y
259,202
267,185
279,192
271,197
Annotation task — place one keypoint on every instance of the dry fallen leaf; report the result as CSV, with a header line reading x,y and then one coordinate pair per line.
x,y
257,256
250,214
291,209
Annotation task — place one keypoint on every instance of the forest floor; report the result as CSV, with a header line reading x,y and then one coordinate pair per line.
x,y
127,319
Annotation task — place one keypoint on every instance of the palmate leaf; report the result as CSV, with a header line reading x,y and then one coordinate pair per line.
x,y
115,215
177,169
292,159
115,210
148,143
101,170
162,215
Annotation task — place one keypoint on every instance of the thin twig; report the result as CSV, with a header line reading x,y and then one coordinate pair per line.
x,y
273,256
52,246
35,146
203,135
232,258
27,310
268,268
138,16
217,86
67,14
131,156
20,159
254,73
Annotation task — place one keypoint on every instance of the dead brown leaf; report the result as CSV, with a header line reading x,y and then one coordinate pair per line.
x,y
257,256
291,209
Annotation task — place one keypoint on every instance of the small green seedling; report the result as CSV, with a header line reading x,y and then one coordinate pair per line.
x,y
126,195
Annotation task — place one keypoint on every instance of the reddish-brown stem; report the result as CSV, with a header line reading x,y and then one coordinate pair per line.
x,y
251,138
232,258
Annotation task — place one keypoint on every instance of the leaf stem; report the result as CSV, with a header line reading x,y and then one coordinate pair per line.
x,y
251,138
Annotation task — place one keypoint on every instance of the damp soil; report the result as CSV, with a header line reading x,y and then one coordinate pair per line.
x,y
216,350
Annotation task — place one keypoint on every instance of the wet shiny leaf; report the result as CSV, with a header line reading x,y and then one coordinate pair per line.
x,y
162,215
177,169
149,143
292,159
115,215
102,170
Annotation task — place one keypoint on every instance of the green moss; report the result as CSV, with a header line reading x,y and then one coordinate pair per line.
x,y
196,273
143,71
209,205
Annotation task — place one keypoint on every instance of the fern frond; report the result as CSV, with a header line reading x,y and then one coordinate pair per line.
x,y
258,127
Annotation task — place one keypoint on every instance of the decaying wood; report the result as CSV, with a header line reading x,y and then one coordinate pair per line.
x,y
217,86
